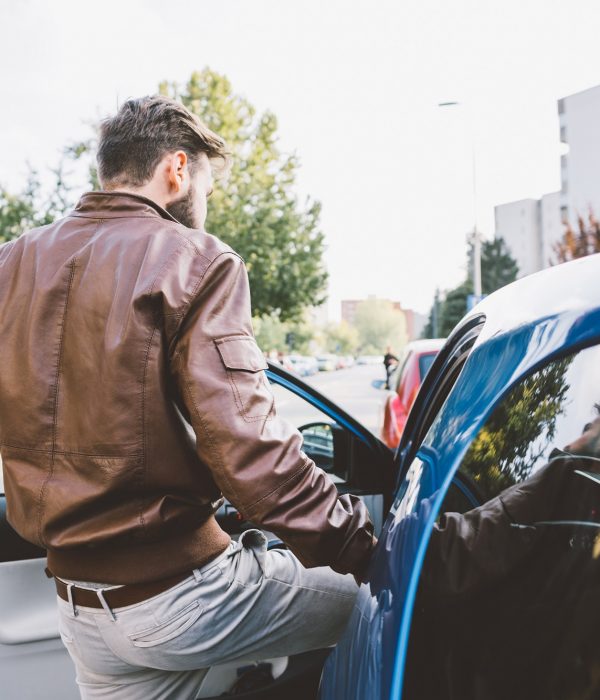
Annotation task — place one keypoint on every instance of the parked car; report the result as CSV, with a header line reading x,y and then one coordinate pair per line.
x,y
486,577
326,363
369,360
303,366
405,381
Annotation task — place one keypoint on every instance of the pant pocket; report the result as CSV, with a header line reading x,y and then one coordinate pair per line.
x,y
251,565
64,633
168,630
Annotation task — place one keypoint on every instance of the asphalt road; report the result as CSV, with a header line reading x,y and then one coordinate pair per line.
x,y
350,388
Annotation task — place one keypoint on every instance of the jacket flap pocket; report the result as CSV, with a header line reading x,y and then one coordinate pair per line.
x,y
241,352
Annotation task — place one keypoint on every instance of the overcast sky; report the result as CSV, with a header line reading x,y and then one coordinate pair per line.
x,y
354,85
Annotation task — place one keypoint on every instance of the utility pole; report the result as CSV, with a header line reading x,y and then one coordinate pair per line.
x,y
435,330
475,240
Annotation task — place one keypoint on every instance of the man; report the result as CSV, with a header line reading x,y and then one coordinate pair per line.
x,y
389,362
121,324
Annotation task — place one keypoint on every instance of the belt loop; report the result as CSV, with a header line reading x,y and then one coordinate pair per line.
x,y
70,598
197,575
104,604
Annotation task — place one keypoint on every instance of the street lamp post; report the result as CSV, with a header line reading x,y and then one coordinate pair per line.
x,y
474,238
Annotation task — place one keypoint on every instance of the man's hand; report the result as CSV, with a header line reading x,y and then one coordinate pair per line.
x,y
588,444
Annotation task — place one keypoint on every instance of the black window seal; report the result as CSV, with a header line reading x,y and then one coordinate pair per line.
x,y
436,387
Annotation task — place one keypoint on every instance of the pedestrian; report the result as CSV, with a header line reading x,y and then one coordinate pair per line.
x,y
123,323
389,362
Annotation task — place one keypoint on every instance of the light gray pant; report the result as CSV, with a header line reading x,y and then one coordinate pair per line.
x,y
246,605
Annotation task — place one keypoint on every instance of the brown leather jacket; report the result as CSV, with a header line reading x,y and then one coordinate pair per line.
x,y
121,328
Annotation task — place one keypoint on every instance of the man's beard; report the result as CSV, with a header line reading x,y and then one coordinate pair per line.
x,y
183,209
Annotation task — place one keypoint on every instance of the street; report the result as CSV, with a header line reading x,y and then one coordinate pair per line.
x,y
350,388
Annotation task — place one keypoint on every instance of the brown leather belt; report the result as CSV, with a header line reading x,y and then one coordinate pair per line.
x,y
118,597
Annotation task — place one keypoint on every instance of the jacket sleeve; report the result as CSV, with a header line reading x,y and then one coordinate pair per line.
x,y
255,457
471,550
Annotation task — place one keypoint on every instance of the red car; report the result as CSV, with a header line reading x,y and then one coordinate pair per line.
x,y
405,381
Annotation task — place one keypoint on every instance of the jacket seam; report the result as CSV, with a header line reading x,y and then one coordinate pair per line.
x,y
185,307
112,216
190,244
240,404
306,465
50,473
233,338
144,461
135,455
196,287
144,464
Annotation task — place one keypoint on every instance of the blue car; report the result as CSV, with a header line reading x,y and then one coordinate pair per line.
x,y
485,582
486,579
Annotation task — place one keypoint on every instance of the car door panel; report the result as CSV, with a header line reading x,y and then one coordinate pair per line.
x,y
380,623
33,658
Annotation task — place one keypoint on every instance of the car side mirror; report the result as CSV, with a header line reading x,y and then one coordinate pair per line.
x,y
346,458
318,444
378,384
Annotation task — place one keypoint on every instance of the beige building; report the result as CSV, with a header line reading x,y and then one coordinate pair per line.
x,y
415,322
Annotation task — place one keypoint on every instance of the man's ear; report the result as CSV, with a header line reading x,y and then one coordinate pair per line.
x,y
177,171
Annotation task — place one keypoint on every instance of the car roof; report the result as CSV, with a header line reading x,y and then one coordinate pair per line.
x,y
426,345
563,290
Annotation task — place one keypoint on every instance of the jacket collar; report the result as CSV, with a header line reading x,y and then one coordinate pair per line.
x,y
116,205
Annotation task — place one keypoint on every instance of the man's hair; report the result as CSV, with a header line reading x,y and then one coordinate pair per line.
x,y
143,131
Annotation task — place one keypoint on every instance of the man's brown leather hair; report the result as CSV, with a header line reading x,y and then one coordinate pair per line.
x,y
144,130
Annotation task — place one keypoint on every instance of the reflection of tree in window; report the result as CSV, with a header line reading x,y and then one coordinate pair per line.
x,y
519,431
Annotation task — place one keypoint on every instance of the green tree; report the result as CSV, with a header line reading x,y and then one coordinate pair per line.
x,y
256,210
498,267
30,208
454,307
379,324
519,431
341,338
283,336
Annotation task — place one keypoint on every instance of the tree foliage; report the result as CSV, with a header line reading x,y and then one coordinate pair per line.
x,y
257,211
578,244
273,334
341,338
519,431
379,325
30,208
498,268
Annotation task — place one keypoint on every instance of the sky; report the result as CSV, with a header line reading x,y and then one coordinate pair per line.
x,y
355,87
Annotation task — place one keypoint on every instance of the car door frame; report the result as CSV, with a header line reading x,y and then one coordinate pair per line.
x,y
383,458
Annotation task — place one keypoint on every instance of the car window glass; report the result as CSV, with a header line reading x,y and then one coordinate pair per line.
x,y
425,362
424,418
315,426
509,593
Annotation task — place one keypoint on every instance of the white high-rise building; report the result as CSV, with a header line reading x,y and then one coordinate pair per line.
x,y
552,228
518,223
579,119
532,227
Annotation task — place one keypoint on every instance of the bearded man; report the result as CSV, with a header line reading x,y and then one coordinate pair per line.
x,y
123,324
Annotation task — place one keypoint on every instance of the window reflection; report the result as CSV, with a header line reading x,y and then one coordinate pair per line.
x,y
509,596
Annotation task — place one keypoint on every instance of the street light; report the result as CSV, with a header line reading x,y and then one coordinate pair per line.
x,y
475,237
